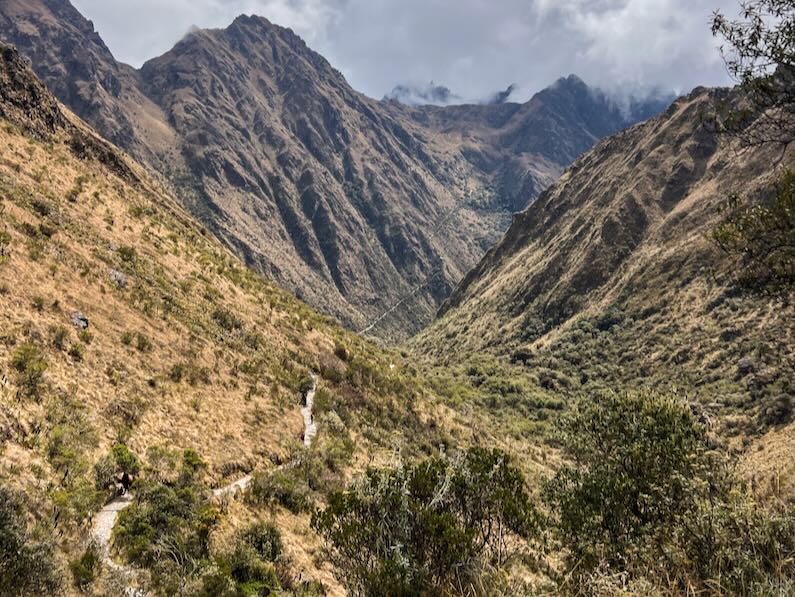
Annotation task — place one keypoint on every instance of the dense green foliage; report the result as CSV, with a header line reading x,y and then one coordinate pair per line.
x,y
429,527
168,527
646,495
27,565
761,238
759,51
86,568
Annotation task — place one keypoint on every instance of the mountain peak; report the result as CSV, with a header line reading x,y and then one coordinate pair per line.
x,y
251,21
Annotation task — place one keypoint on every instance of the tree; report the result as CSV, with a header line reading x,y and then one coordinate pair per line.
x,y
760,238
427,528
759,51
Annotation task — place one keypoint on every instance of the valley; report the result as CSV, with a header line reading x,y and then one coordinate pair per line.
x,y
344,200
265,335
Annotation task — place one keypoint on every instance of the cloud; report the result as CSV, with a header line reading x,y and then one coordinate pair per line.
x,y
474,47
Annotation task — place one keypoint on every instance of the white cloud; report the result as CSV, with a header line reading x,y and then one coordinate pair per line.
x,y
475,47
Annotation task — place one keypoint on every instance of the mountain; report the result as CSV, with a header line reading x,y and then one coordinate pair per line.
x,y
609,279
126,324
370,211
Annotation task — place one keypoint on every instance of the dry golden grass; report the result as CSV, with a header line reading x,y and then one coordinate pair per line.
x,y
243,345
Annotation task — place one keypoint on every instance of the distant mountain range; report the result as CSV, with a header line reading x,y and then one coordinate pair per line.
x,y
352,203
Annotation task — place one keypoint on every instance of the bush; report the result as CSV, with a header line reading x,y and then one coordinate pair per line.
x,y
632,457
142,343
281,487
239,573
104,473
125,460
29,365
60,335
27,566
77,352
86,568
168,527
127,254
427,528
227,320
264,538
645,497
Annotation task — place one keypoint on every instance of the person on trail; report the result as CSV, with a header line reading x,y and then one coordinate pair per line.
x,y
125,483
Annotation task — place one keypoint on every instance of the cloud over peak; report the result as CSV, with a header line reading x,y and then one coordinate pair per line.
x,y
474,46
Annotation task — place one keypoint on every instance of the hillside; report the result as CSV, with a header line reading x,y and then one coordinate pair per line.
x,y
126,324
609,279
350,202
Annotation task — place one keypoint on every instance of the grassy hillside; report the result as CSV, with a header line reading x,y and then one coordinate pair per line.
x,y
610,280
126,324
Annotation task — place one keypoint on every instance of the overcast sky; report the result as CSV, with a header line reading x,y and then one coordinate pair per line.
x,y
475,47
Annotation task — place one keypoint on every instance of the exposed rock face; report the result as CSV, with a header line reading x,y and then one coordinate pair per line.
x,y
352,203
24,101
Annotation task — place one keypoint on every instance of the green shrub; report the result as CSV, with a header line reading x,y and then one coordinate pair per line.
x,y
27,566
429,527
168,527
86,568
227,320
632,458
60,335
125,460
104,473
127,254
265,538
239,573
645,496
29,365
142,343
282,487
77,352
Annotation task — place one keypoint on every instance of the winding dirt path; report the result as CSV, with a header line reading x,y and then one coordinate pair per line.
x,y
102,531
310,429
105,519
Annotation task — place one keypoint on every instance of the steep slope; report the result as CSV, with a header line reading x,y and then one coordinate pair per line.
x,y
124,321
76,65
609,279
352,203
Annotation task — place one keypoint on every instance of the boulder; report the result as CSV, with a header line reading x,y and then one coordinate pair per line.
x,y
120,279
79,320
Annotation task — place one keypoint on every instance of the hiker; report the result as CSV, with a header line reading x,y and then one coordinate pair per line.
x,y
125,483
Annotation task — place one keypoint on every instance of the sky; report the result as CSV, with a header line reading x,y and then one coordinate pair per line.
x,y
474,47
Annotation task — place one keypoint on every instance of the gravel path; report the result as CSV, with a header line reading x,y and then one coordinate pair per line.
x,y
102,532
106,518
103,526
310,429
233,489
